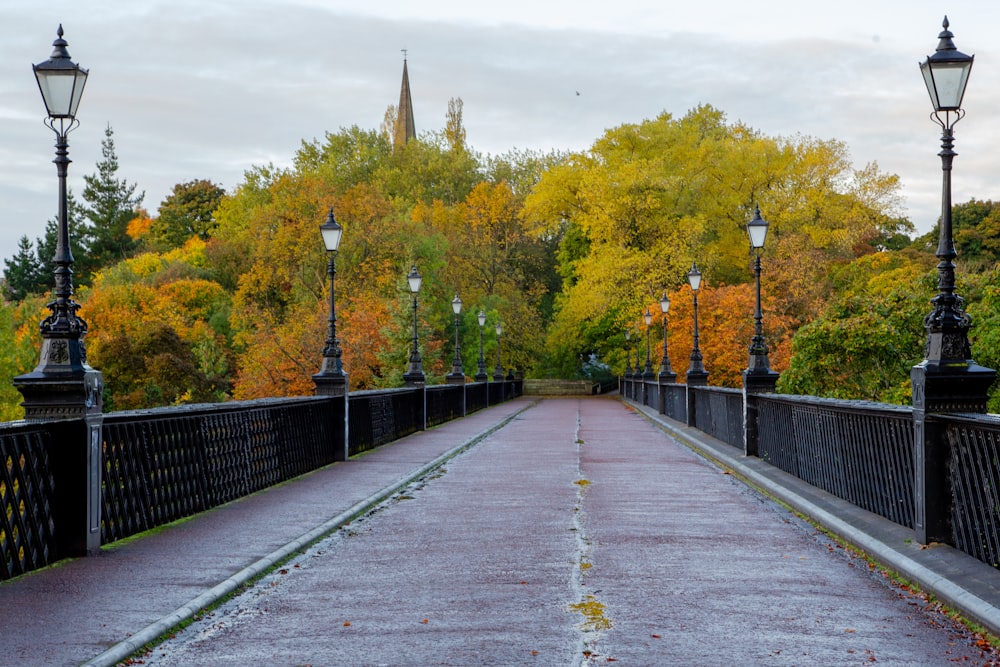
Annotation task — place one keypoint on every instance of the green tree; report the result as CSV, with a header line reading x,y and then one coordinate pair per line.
x,y
871,333
111,204
23,274
976,234
187,211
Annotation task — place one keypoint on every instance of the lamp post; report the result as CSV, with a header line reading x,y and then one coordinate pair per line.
x,y
666,373
498,371
63,384
947,380
946,74
481,374
758,376
415,376
457,376
331,379
647,372
696,373
628,354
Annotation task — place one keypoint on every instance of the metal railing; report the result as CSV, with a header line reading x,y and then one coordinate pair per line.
x,y
165,464
156,466
718,411
862,452
27,498
859,451
975,484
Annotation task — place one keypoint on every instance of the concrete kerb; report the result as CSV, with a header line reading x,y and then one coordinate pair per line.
x,y
972,605
123,649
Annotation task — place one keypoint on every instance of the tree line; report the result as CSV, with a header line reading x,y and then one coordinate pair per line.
x,y
222,295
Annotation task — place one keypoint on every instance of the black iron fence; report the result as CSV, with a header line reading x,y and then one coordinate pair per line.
x,y
157,466
974,441
865,453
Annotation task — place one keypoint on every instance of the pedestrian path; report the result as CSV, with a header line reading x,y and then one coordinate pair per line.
x,y
71,612
578,533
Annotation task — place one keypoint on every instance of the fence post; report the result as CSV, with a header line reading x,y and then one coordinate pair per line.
x,y
937,389
754,382
422,407
76,469
693,379
341,427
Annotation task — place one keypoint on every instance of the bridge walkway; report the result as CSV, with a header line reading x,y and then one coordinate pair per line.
x,y
574,532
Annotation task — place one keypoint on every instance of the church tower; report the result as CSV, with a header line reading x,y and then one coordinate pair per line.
x,y
405,129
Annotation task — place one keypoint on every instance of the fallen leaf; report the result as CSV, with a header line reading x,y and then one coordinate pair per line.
x,y
656,636
849,630
347,624
534,653
425,621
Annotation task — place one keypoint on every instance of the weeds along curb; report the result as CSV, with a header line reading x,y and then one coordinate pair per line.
x,y
154,632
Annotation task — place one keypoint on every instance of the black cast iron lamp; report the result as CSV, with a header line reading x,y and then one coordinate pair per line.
x,y
456,375
759,362
757,230
666,374
628,353
415,375
696,373
498,372
61,81
481,374
946,74
63,384
331,379
647,372
332,232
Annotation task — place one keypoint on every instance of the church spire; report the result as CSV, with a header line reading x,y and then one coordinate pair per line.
x,y
405,129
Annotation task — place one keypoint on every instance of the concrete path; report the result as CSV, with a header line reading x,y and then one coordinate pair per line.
x,y
78,609
577,534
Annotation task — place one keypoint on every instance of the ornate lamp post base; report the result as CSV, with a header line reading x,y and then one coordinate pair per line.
x,y
62,386
330,383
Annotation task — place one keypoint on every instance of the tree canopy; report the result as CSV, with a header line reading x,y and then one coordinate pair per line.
x,y
225,295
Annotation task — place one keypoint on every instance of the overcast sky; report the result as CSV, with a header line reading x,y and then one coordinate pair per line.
x,y
208,89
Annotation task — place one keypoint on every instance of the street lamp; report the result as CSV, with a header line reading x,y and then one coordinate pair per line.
x,y
415,376
331,379
758,377
947,380
457,376
498,371
647,373
696,373
63,384
946,74
759,362
628,354
481,374
666,374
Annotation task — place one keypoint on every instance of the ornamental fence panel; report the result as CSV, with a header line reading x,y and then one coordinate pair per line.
x,y
27,499
859,451
164,464
975,484
380,416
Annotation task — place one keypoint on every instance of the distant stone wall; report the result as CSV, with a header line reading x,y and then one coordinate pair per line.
x,y
559,388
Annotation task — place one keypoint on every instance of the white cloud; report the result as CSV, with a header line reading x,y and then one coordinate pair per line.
x,y
208,89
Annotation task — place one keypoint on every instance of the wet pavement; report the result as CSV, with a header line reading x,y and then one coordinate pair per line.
x,y
77,609
577,534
